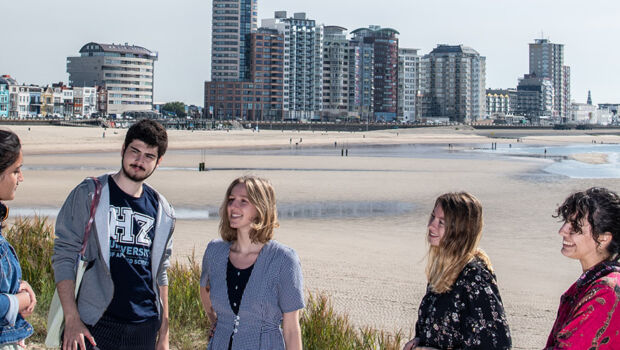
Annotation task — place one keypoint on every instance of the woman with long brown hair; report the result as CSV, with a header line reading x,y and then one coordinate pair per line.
x,y
462,308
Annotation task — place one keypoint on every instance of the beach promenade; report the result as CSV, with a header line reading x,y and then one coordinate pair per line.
x,y
357,222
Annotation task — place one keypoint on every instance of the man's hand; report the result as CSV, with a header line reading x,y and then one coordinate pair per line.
x,y
162,344
163,340
76,335
75,332
25,287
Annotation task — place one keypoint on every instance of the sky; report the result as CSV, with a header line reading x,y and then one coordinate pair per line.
x,y
39,35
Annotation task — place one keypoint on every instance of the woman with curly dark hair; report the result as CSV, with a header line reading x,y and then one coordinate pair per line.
x,y
591,234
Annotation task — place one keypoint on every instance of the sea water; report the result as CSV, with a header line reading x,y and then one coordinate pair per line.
x,y
313,210
564,165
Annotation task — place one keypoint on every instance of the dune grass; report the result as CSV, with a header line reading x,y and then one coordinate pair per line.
x,y
322,328
33,241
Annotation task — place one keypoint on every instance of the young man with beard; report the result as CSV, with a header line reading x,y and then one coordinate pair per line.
x,y
123,298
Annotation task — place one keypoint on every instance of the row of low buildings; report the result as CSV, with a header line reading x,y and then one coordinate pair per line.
x,y
291,68
20,101
105,79
533,102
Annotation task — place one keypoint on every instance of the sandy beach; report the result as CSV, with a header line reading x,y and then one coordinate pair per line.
x,y
369,260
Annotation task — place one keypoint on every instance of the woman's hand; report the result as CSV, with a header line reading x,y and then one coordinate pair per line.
x,y
212,331
25,287
412,344
205,298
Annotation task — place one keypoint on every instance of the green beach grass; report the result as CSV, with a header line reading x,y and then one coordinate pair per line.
x,y
322,328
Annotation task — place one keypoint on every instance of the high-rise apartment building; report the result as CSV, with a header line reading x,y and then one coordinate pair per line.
x,y
535,98
408,83
566,95
361,79
547,61
303,63
233,21
453,84
261,96
126,72
335,73
384,44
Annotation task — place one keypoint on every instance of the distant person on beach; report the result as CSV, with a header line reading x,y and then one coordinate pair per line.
x,y
588,316
17,299
251,284
462,308
123,299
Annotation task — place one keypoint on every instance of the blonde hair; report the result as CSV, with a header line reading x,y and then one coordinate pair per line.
x,y
263,197
463,229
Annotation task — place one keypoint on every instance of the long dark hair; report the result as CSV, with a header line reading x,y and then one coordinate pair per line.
x,y
9,149
601,208
9,152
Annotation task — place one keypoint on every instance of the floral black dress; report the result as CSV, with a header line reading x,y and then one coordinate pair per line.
x,y
469,316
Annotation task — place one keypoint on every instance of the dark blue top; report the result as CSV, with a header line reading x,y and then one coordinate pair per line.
x,y
132,229
236,280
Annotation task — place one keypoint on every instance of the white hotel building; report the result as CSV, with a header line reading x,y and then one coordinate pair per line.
x,y
126,72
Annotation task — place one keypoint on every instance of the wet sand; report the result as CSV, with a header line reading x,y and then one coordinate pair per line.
x,y
591,158
371,265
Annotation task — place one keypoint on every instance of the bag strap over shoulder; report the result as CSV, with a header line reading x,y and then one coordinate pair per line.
x,y
93,209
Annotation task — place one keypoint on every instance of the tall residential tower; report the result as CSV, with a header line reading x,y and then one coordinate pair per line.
x,y
383,43
303,63
335,73
233,21
408,83
453,84
547,61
